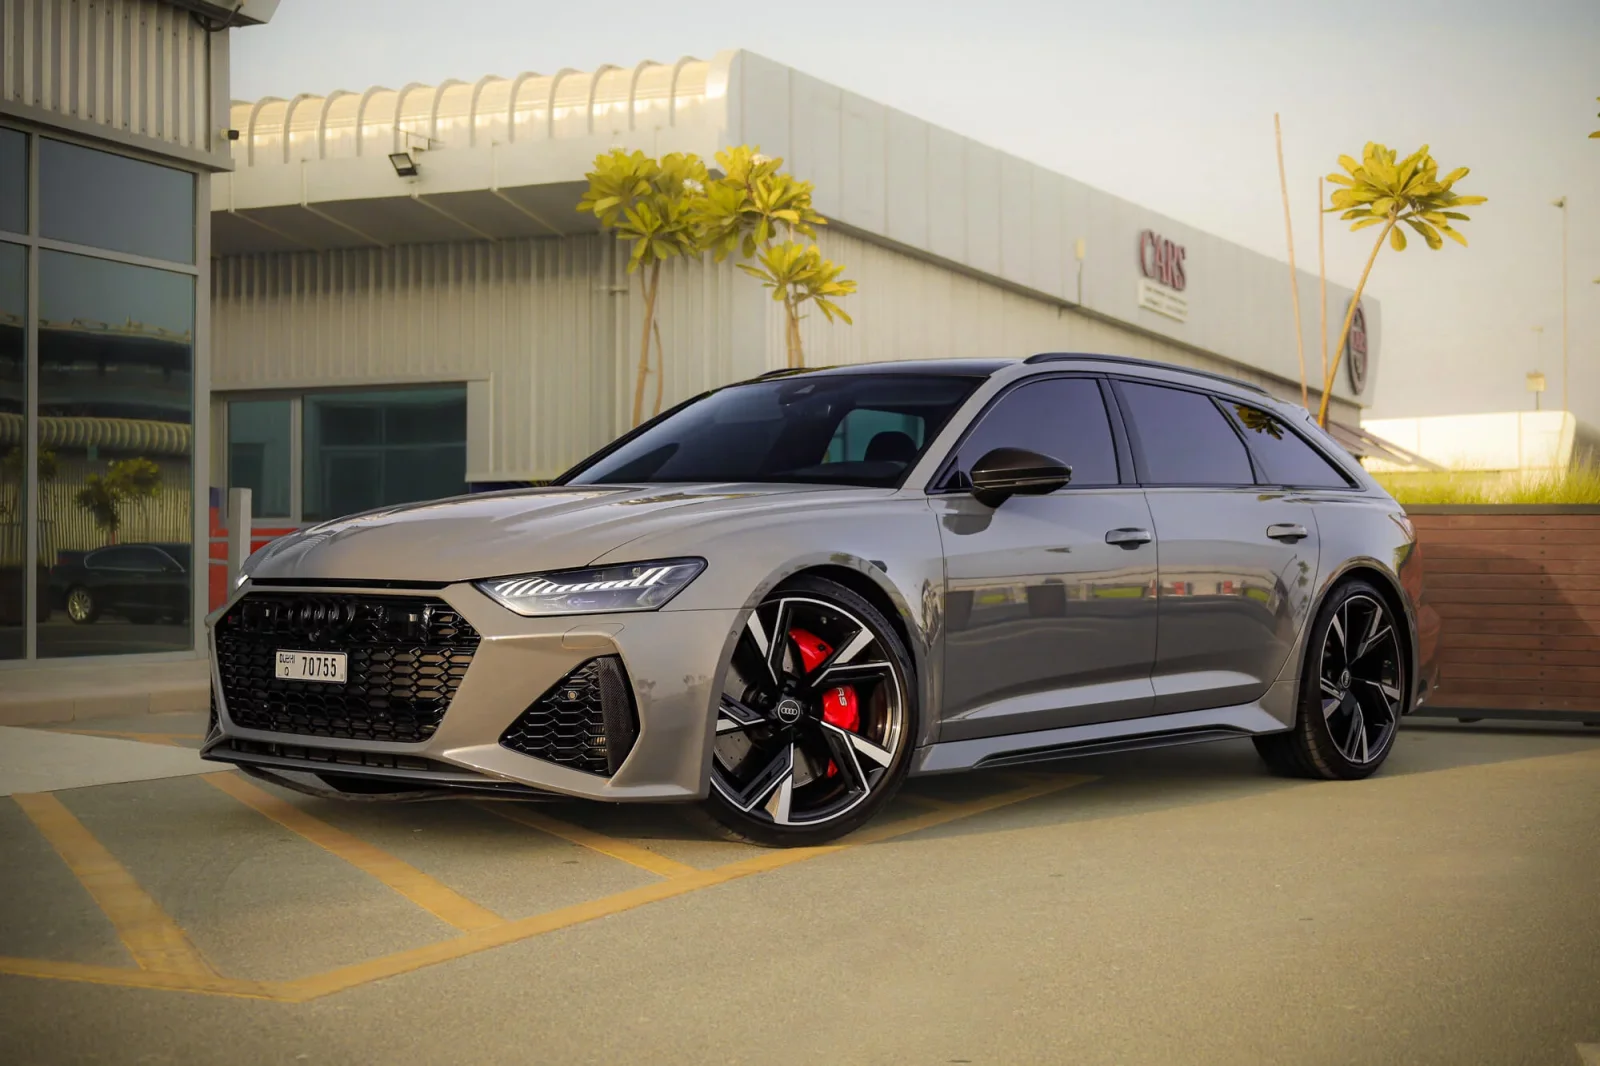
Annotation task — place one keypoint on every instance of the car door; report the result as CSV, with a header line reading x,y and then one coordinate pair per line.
x,y
1050,615
1238,557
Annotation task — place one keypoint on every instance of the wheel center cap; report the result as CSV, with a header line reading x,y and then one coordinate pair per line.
x,y
788,710
1344,679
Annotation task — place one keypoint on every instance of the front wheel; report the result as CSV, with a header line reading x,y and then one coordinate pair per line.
x,y
817,718
1352,692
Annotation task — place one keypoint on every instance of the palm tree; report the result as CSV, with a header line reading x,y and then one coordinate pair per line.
x,y
1377,191
646,203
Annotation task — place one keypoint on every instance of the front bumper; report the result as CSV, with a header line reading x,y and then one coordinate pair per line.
x,y
672,661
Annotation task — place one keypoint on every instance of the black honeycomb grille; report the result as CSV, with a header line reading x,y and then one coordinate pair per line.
x,y
407,656
585,721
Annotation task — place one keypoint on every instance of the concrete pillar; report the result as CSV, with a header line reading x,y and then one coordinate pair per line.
x,y
238,533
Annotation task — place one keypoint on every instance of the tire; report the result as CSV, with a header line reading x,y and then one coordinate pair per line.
x,y
1349,711
837,778
82,606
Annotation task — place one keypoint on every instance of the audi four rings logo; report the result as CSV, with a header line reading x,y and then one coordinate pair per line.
x,y
788,710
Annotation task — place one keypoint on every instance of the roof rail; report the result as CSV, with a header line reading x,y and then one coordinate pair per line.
x,y
1088,357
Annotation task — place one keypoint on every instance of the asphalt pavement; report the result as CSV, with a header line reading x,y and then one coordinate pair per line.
x,y
1178,906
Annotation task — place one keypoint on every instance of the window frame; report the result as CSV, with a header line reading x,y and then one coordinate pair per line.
x,y
1337,468
30,238
942,482
223,401
1141,465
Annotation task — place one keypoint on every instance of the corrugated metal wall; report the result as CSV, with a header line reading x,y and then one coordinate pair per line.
x,y
137,66
538,321
546,331
910,308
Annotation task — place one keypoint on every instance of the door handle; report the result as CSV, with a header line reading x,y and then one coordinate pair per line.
x,y
1287,531
1129,539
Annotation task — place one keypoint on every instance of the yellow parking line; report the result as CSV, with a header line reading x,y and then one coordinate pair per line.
x,y
431,895
51,970
927,803
169,739
643,858
318,985
153,939
503,933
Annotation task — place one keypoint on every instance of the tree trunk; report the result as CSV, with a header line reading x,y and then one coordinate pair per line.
x,y
661,365
1322,283
1294,276
1349,317
797,355
650,283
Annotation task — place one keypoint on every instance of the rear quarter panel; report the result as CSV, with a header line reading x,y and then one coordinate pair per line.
x,y
1370,532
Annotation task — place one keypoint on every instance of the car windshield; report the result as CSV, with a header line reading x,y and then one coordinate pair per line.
x,y
823,429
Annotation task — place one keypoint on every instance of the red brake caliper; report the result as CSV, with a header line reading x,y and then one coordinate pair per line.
x,y
839,706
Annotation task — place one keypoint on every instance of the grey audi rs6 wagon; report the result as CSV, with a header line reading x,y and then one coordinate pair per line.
x,y
781,598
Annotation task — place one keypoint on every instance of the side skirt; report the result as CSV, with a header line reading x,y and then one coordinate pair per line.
x,y
1045,745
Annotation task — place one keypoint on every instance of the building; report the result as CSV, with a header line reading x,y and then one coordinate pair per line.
x,y
113,115
1492,445
406,302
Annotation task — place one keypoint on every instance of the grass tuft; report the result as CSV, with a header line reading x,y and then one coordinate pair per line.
x,y
1575,485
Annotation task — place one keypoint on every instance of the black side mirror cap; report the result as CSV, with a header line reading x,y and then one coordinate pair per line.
x,y
1007,472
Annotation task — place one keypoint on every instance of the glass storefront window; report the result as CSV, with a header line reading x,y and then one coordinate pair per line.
x,y
259,446
375,449
13,444
116,395
110,201
13,181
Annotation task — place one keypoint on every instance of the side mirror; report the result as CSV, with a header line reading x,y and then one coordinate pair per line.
x,y
1007,472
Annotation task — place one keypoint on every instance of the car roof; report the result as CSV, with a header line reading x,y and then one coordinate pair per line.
x,y
965,368
986,367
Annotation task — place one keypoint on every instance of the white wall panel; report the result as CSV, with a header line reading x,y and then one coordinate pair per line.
x,y
861,162
536,322
911,308
908,203
135,67
815,139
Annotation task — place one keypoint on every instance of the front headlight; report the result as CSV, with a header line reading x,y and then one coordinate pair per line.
x,y
594,590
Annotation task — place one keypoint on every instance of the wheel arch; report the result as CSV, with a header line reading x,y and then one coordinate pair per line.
x,y
870,581
1388,586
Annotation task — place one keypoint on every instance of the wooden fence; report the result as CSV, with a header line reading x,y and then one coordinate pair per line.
x,y
1518,595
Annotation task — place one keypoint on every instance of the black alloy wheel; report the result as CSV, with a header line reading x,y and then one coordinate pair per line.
x,y
1353,691
816,720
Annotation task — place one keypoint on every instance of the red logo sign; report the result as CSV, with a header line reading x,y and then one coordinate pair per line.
x,y
1161,260
1356,350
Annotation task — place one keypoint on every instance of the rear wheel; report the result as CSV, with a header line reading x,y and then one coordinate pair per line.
x,y
816,722
82,607
1352,693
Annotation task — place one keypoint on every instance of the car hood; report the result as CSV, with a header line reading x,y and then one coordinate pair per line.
x,y
493,534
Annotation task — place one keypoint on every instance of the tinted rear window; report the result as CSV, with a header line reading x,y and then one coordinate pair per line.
x,y
1183,438
1284,456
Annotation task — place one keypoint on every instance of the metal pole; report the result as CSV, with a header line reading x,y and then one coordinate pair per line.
x,y
238,534
1561,202
1564,405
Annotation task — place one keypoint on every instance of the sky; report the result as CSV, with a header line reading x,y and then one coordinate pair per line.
x,y
1168,103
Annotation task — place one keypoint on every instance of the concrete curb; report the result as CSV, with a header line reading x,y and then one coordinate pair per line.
x,y
79,693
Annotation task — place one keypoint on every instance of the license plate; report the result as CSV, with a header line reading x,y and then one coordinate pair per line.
x,y
326,666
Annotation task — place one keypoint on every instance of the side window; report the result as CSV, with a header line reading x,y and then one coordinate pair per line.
x,y
1183,438
1064,418
1285,457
